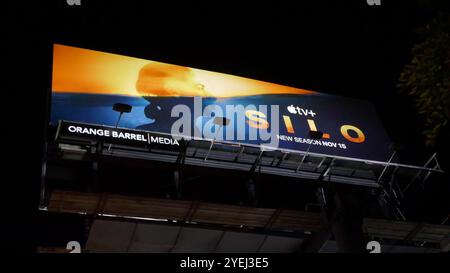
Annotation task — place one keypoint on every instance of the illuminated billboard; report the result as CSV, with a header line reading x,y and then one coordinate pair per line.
x,y
183,101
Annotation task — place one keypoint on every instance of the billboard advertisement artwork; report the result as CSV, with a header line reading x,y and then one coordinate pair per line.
x,y
195,103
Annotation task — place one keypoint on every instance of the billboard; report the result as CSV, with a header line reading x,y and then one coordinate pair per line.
x,y
184,101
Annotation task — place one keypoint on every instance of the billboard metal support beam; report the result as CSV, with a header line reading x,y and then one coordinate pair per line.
x,y
445,243
182,155
317,240
256,163
327,170
281,159
219,121
436,167
250,183
177,180
239,154
384,198
76,145
392,180
418,228
268,227
346,218
314,135
209,150
321,162
273,160
43,193
419,172
303,158
95,165
251,191
187,218
177,183
386,167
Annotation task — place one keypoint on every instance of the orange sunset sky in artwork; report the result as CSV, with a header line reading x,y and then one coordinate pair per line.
x,y
87,71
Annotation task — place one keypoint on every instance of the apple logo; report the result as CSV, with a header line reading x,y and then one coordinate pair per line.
x,y
291,109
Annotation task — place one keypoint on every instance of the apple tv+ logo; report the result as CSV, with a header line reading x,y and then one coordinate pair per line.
x,y
296,110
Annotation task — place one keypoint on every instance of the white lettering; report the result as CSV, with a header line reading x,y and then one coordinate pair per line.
x,y
164,140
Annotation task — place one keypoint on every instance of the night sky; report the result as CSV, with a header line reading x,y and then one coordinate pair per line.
x,y
344,48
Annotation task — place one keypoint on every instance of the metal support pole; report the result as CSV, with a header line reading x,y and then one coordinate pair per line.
x,y
303,158
419,172
256,163
282,159
347,221
385,167
212,142
274,159
209,150
316,241
251,191
43,194
177,184
268,227
396,208
326,171
95,165
117,124
436,167
239,154
392,180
